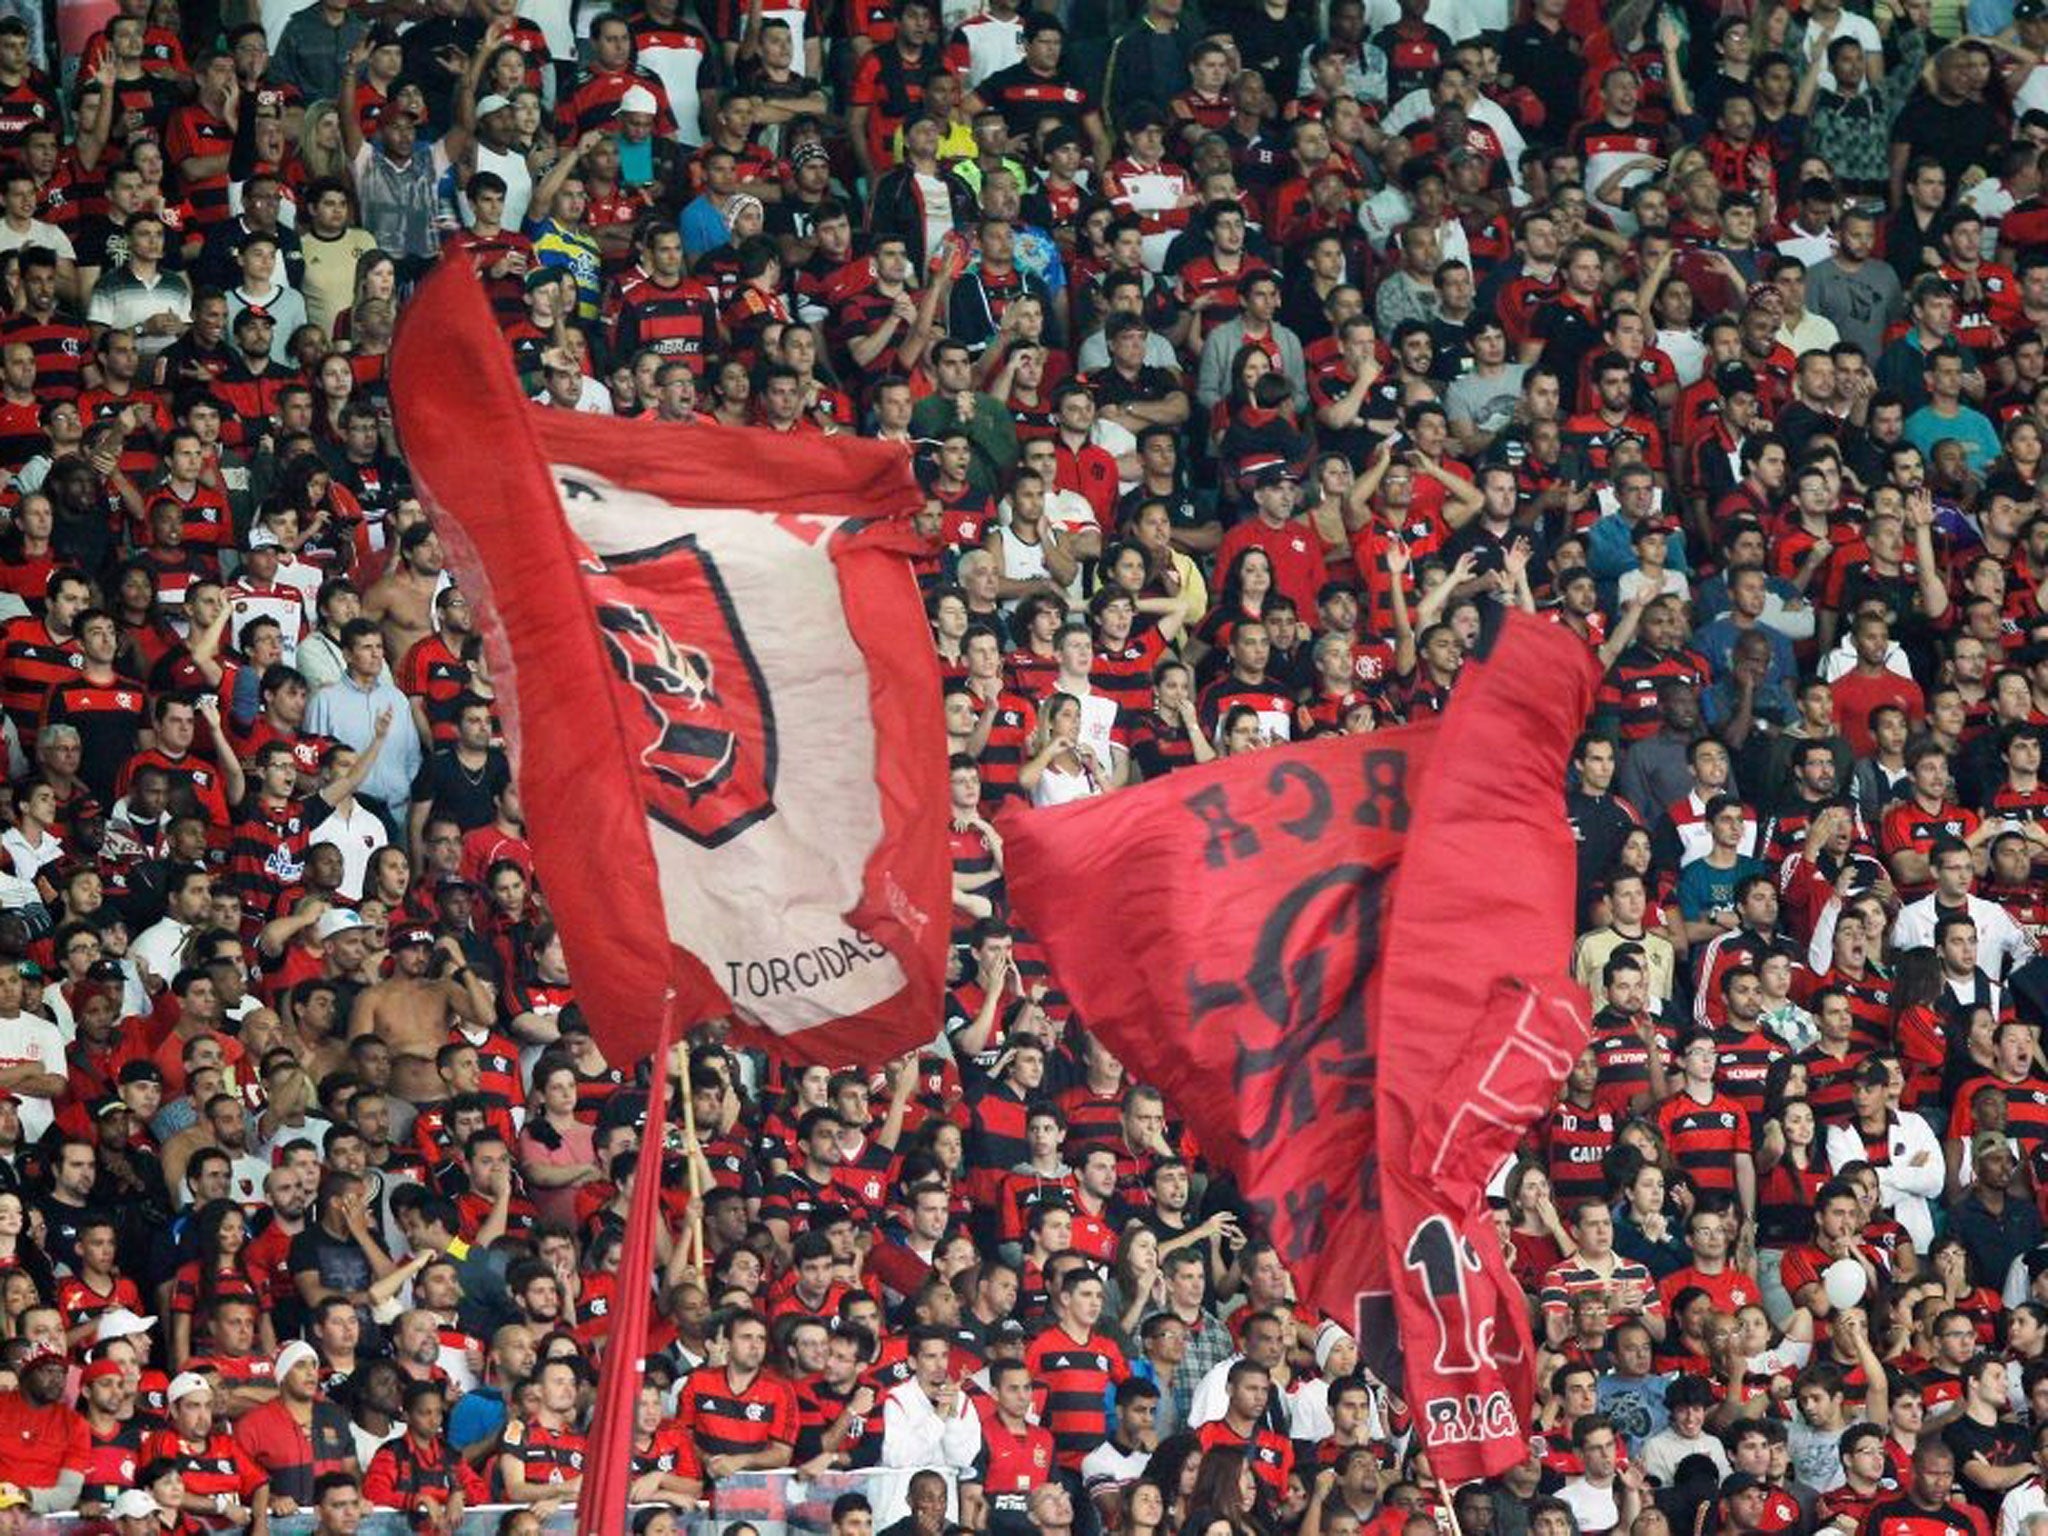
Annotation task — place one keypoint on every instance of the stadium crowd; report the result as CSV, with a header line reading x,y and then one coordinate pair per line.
x,y
1249,352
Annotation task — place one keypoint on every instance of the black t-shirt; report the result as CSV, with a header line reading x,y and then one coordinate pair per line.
x,y
2003,1445
468,795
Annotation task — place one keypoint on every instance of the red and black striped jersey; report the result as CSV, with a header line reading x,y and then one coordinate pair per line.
x,y
483,252
1784,1201
1624,1059
1830,1083
595,101
1745,1061
545,1455
115,1456
1870,1008
1201,275
857,314
211,1467
431,1139
1023,1193
405,1475
1003,754
728,1420
267,850
1125,674
32,662
818,1408
438,678
1091,1116
1705,1138
1578,1142
1905,1517
1629,691
2026,1109
253,396
188,1290
973,855
196,134
1270,1455
498,1059
62,346
677,320
1158,748
80,1303
794,1198
1906,826
141,455
1074,1377
669,1451
1846,1501
31,104
204,516
996,1142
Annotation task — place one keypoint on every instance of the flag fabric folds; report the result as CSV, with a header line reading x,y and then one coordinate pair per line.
x,y
1233,931
716,683
1217,928
1478,1027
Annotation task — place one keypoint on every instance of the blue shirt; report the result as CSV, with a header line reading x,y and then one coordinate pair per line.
x,y
703,226
476,1415
1704,890
1971,428
1773,702
1716,642
349,713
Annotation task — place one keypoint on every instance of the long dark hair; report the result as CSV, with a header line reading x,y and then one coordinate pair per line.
x,y
206,1229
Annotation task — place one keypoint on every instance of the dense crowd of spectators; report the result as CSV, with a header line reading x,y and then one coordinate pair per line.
x,y
1249,352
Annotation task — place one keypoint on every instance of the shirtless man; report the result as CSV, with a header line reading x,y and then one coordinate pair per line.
x,y
412,1014
311,1033
402,600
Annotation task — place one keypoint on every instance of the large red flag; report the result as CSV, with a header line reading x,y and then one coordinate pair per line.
x,y
1217,928
718,692
1230,931
1478,1026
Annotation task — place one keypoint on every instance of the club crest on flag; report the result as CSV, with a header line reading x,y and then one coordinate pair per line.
x,y
707,755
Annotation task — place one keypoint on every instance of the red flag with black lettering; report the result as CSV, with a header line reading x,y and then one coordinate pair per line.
x,y
1217,928
1229,931
719,697
1478,1026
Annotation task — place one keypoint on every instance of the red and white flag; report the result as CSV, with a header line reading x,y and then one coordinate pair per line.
x,y
718,692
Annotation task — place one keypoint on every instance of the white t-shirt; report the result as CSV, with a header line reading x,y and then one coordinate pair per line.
x,y
358,834
553,19
157,947
937,205
29,1037
37,233
1848,24
992,45
1593,1508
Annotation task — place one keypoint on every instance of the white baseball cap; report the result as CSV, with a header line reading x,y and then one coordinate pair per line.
x,y
294,1354
184,1385
120,1323
637,99
338,920
136,1504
